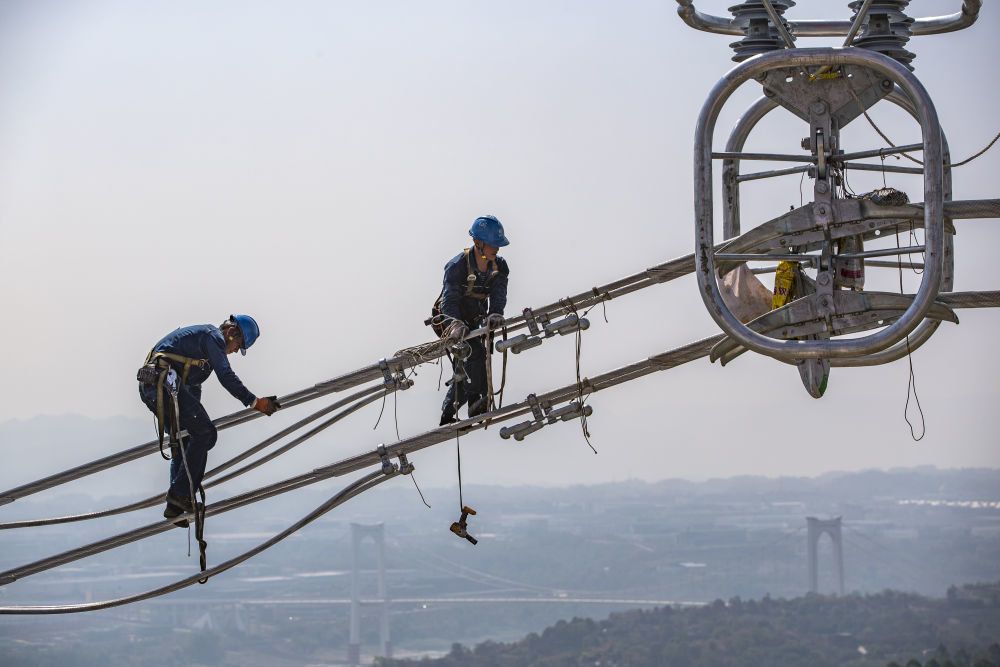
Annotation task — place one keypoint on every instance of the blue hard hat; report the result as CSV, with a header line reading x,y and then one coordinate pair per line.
x,y
249,330
488,230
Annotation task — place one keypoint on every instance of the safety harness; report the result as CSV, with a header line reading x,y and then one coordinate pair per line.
x,y
437,320
156,369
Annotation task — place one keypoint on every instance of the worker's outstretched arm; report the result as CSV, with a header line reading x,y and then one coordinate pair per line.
x,y
215,349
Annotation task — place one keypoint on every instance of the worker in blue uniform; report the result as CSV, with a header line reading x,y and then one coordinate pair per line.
x,y
170,386
474,294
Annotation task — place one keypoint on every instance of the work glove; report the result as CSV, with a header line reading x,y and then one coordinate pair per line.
x,y
267,404
456,332
494,320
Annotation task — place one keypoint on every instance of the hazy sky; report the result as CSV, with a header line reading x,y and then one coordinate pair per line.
x,y
315,164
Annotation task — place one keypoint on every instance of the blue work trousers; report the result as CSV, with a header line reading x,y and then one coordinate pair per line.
x,y
201,437
473,388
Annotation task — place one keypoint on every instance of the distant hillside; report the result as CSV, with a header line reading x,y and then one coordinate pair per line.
x,y
897,629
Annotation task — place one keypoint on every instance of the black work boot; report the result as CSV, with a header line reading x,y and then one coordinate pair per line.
x,y
477,406
448,417
175,507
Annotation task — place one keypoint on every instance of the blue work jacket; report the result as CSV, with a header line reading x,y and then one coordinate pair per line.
x,y
204,341
456,303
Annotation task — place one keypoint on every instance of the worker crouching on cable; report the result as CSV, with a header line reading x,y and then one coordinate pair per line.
x,y
170,386
474,294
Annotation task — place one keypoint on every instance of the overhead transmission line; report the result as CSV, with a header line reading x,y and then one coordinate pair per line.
x,y
390,375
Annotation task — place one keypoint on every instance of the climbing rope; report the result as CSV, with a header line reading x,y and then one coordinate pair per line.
x,y
970,159
580,398
199,532
911,383
458,450
199,517
490,404
395,412
503,372
906,155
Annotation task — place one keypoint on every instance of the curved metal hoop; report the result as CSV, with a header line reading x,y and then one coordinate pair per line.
x,y
731,219
933,204
931,25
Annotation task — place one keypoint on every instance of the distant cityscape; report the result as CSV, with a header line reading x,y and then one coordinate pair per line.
x,y
543,555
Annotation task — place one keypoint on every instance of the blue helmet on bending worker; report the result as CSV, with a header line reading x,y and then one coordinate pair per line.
x,y
488,230
248,329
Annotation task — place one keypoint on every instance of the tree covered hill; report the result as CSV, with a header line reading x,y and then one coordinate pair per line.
x,y
889,628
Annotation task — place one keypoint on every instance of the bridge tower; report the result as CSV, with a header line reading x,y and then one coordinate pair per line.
x,y
816,529
377,533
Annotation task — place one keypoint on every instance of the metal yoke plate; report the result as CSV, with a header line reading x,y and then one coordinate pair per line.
x,y
793,90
